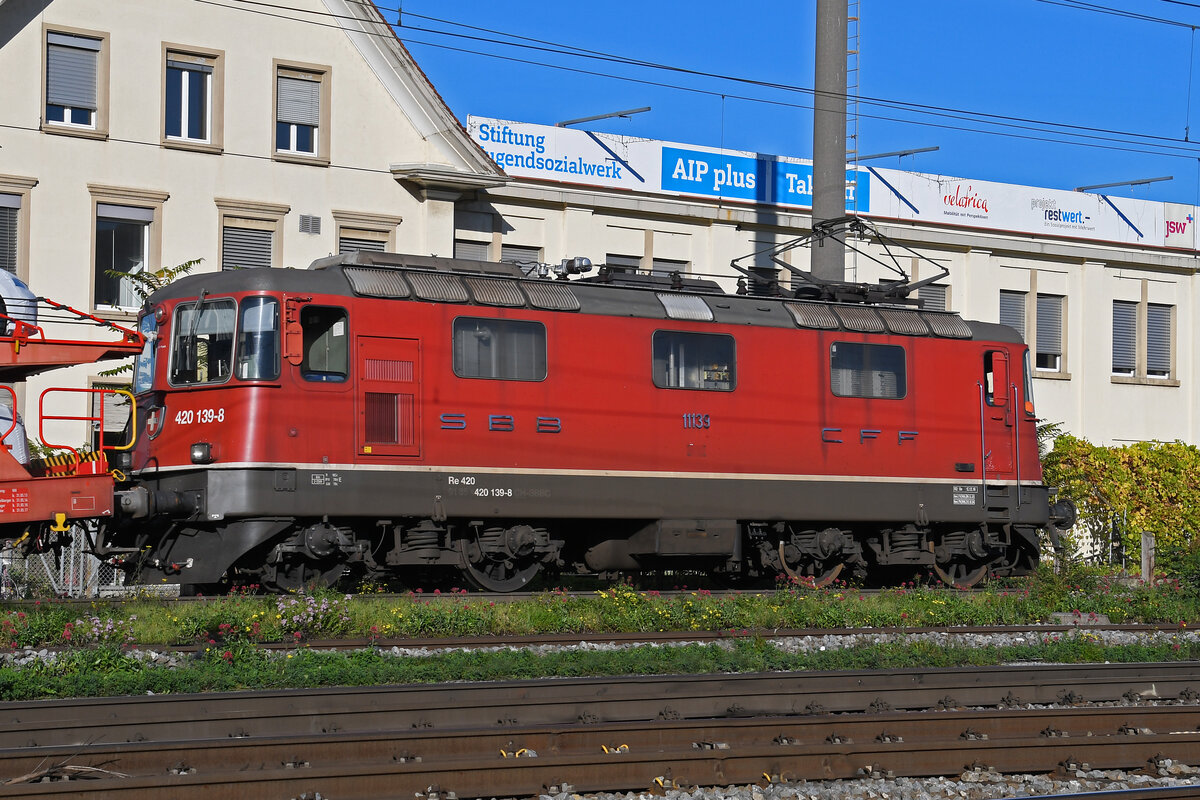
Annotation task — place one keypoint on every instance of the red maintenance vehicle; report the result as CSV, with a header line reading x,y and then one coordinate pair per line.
x,y
416,417
41,499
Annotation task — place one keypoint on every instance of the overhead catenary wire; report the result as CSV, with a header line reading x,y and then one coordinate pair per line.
x,y
1118,140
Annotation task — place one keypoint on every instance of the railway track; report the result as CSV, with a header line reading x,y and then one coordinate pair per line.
x,y
526,737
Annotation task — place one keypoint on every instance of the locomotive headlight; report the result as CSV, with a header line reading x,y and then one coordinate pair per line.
x,y
202,453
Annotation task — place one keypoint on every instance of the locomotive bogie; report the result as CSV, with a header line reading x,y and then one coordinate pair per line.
x,y
389,414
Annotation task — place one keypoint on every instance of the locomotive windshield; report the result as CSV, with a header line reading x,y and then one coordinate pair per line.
x,y
258,339
202,342
143,370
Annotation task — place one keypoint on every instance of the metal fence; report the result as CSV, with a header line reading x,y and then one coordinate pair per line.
x,y
67,572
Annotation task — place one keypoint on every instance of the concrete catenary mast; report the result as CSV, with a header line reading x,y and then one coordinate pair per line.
x,y
829,135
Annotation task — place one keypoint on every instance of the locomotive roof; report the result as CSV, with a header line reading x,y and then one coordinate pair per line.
x,y
429,278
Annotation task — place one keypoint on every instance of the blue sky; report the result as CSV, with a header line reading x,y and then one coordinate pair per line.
x,y
1032,63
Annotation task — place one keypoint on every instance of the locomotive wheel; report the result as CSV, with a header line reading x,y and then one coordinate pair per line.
x,y
960,574
821,573
496,575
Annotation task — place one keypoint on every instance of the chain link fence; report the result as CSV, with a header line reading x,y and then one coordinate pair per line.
x,y
65,572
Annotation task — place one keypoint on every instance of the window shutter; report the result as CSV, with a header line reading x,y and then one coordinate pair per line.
x,y
933,297
299,101
1012,311
665,266
473,251
1049,327
125,213
516,253
620,263
8,240
1124,355
175,62
352,244
71,71
245,247
1158,340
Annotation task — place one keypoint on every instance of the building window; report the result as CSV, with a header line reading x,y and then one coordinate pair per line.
x,y
521,255
510,350
250,233
75,76
111,411
1012,311
867,370
245,245
122,247
1158,340
665,266
127,239
353,241
1049,355
1142,339
302,112
189,98
471,251
363,231
935,297
684,360
1124,355
1046,323
10,210
622,263
14,224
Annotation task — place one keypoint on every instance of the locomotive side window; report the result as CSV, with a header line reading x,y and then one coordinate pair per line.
x,y
202,342
503,349
326,344
684,360
874,371
258,340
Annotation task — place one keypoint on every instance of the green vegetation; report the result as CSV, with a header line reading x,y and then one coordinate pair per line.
x,y
1147,486
323,615
99,653
112,671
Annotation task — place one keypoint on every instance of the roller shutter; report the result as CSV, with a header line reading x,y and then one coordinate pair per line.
x,y
71,70
1158,340
1124,354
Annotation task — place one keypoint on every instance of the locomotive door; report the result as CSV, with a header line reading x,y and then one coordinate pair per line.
x,y
388,409
999,418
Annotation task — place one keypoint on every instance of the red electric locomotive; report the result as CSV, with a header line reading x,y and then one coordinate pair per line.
x,y
411,416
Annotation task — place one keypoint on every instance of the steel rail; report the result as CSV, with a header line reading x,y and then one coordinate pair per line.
x,y
564,701
666,767
488,742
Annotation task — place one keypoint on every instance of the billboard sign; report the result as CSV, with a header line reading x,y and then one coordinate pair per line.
x,y
566,155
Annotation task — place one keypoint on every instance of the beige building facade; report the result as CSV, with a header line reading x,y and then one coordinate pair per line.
x,y
1104,289
149,133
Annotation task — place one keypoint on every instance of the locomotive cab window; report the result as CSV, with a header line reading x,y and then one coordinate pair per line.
x,y
875,371
326,344
503,349
996,380
258,340
202,342
684,360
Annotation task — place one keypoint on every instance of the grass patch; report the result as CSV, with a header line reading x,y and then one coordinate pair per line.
x,y
111,671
